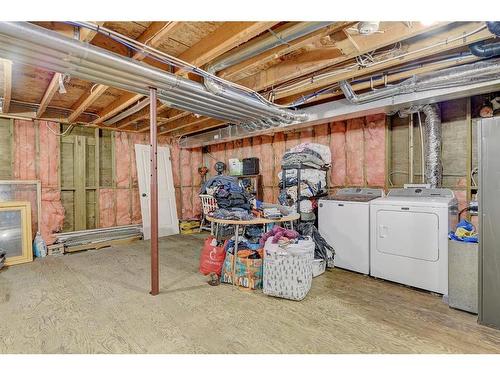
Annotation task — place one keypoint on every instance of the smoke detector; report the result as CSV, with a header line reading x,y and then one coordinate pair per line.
x,y
368,27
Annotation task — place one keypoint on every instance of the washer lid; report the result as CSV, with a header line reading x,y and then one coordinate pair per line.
x,y
414,201
421,192
356,195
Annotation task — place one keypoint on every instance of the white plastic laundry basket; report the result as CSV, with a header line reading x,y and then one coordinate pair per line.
x,y
288,271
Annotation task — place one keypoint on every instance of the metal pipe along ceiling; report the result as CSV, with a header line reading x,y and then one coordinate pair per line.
x,y
457,76
34,45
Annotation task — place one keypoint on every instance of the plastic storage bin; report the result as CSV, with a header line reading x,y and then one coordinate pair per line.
x,y
288,271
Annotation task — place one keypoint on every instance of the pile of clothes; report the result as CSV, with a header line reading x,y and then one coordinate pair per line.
x,y
233,201
313,159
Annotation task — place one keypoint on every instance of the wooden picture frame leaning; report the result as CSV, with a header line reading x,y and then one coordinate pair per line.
x,y
25,209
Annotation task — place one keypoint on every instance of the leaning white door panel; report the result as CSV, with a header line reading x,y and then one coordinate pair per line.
x,y
167,210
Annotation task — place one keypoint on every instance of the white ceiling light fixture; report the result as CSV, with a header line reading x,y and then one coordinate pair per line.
x,y
62,89
428,23
365,28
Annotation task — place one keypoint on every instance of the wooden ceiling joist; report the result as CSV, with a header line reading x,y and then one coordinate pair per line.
x,y
414,51
277,52
223,39
151,37
337,52
7,85
86,36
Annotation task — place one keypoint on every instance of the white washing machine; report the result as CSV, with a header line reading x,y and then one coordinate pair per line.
x,y
344,222
409,237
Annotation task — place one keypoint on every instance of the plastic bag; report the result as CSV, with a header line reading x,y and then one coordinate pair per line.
x,y
322,249
248,267
39,246
212,257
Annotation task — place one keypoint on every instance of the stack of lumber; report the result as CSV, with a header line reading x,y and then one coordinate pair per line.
x,y
99,238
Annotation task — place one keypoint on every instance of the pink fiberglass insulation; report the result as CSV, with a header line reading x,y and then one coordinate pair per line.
x,y
292,140
187,202
107,217
321,133
257,147
186,168
52,214
175,155
196,202
355,157
306,136
246,150
136,138
122,159
268,195
374,134
49,154
267,161
196,162
136,207
123,207
279,145
232,152
24,150
337,147
238,147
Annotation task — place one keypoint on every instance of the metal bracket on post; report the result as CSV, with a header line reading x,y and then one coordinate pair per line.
x,y
155,284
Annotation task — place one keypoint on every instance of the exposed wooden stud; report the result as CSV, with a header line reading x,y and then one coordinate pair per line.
x,y
7,85
97,171
468,159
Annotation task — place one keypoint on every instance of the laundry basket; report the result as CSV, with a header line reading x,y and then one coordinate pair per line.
x,y
208,205
288,271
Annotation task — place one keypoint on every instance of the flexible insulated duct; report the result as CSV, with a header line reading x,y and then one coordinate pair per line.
x,y
432,145
29,44
451,77
481,49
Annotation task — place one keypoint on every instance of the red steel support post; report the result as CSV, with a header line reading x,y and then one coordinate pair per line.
x,y
155,284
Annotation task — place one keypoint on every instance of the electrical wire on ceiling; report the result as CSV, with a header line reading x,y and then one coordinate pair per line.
x,y
364,61
165,58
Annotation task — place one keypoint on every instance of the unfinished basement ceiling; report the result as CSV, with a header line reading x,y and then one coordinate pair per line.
x,y
302,71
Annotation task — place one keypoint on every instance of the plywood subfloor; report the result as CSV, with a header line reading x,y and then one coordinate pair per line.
x,y
98,302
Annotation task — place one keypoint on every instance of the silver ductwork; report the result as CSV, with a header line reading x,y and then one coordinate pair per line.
x,y
432,145
451,77
29,44
342,109
274,39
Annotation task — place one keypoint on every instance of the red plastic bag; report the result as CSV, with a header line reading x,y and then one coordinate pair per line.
x,y
212,257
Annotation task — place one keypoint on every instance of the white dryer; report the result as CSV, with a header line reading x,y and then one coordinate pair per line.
x,y
409,237
344,222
